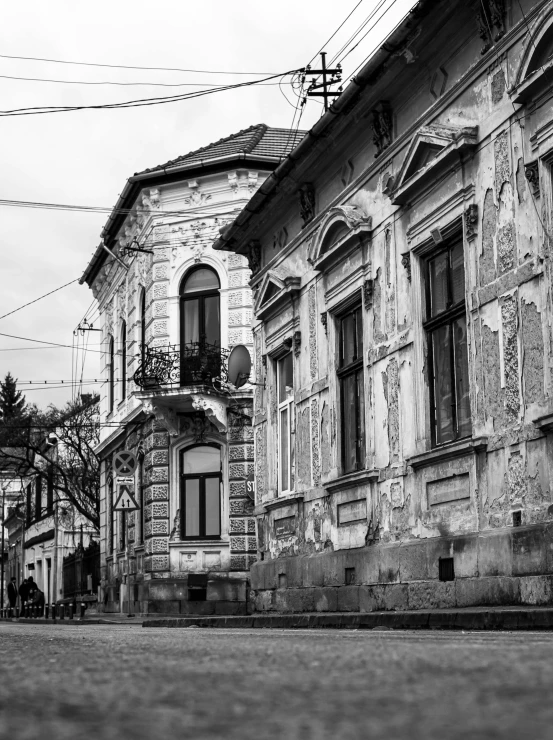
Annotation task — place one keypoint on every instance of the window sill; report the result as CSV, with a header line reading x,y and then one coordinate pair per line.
x,y
350,480
278,503
467,446
200,543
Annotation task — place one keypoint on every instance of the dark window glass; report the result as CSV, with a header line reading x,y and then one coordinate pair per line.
x,y
200,326
285,394
50,491
352,396
29,504
143,325
447,333
123,361
38,497
111,373
201,492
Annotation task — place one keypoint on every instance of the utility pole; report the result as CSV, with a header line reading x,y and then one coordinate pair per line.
x,y
326,83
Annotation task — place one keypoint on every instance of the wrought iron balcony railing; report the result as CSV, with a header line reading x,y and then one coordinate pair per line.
x,y
195,363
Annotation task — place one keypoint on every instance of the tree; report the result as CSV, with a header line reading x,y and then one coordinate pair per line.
x,y
12,407
60,443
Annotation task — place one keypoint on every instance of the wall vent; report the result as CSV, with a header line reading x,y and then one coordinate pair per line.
x,y
517,518
447,571
349,576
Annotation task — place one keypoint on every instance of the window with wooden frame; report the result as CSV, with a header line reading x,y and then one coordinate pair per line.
x,y
352,392
200,505
38,497
143,326
123,360
446,328
50,490
285,396
111,375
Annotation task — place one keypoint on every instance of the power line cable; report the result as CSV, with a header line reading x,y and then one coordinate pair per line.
x,y
370,29
30,303
128,66
122,84
140,102
336,31
358,31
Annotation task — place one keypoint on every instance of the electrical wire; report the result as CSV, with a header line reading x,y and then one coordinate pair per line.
x,y
123,84
370,29
335,32
127,66
30,303
140,102
357,31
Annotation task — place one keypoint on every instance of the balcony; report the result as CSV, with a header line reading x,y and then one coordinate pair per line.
x,y
195,363
184,380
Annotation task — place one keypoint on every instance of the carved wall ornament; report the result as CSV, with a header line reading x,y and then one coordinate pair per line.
x,y
382,126
471,221
233,181
324,321
287,343
197,426
264,361
213,408
254,256
150,199
532,172
297,343
406,262
307,202
196,197
368,288
252,181
490,15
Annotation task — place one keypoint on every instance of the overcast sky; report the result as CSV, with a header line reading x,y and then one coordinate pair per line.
x,y
85,157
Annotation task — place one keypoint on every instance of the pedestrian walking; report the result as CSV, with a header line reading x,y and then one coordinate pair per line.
x,y
12,592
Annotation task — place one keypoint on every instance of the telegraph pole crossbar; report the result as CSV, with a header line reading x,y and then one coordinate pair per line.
x,y
326,83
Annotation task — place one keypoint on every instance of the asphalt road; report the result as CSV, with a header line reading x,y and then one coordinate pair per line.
x,y
117,682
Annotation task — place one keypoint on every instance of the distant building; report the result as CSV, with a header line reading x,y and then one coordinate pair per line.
x,y
402,305
171,309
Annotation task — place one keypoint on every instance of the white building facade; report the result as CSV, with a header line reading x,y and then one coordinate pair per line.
x,y
171,310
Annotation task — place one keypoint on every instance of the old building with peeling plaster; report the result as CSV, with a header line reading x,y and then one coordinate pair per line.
x,y
171,309
403,326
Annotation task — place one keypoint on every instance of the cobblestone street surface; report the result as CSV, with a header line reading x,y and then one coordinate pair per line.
x,y
114,682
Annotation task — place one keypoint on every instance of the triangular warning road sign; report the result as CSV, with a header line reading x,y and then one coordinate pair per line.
x,y
126,501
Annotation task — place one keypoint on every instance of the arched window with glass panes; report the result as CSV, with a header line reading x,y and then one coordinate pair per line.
x,y
200,505
200,325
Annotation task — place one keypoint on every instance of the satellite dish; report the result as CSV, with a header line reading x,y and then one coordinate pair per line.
x,y
239,365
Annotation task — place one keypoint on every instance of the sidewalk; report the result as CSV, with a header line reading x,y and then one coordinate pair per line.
x,y
475,618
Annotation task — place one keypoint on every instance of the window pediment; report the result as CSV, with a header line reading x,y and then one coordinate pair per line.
x,y
536,66
341,228
432,147
274,292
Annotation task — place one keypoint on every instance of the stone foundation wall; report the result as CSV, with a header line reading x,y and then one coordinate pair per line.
x,y
506,567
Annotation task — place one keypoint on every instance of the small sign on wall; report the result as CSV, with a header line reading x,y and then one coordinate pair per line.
x,y
352,512
285,527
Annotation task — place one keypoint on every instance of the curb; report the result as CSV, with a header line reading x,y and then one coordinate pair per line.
x,y
466,619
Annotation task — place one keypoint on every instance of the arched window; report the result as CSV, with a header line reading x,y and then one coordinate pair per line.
x,y
200,315
200,326
200,505
143,326
542,54
111,375
123,360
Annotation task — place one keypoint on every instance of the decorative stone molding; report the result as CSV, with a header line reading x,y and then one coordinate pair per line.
x,y
233,181
297,343
324,321
471,222
196,197
167,416
490,15
368,289
254,257
323,250
214,409
532,172
197,426
406,262
307,202
382,126
252,181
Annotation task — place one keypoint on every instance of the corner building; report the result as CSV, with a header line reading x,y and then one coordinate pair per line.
x,y
171,309
403,324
